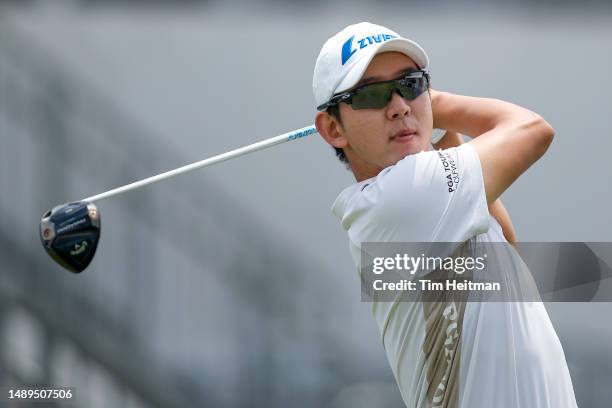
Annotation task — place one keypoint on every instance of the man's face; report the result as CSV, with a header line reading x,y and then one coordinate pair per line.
x,y
378,138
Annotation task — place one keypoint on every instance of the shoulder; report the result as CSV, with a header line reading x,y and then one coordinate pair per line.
x,y
419,197
388,191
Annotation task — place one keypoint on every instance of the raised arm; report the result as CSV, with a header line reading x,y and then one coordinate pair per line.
x,y
507,137
497,209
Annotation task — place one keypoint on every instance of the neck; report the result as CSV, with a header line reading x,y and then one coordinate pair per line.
x,y
364,171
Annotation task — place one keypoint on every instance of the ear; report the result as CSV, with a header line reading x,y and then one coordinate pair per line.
x,y
330,129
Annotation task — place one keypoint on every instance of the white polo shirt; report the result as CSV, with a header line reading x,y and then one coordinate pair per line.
x,y
470,354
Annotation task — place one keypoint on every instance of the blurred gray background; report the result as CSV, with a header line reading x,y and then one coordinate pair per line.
x,y
233,286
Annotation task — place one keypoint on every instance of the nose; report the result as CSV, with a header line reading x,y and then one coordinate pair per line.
x,y
398,107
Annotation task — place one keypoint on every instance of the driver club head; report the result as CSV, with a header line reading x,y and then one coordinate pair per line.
x,y
70,234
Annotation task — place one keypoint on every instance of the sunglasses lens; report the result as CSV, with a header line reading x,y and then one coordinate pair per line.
x,y
376,96
408,92
373,96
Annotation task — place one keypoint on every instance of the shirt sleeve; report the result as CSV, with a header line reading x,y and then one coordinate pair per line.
x,y
430,196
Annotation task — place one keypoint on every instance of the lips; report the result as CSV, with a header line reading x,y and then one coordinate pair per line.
x,y
404,135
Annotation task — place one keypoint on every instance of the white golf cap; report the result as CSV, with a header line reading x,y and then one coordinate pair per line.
x,y
346,56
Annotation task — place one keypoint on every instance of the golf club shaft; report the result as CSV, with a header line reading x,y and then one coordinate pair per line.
x,y
285,137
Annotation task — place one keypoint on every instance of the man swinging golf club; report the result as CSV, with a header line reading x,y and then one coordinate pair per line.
x,y
377,110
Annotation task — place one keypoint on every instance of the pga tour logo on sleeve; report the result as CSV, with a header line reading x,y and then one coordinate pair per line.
x,y
348,50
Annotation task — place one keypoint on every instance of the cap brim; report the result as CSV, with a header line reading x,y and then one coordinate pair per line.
x,y
407,47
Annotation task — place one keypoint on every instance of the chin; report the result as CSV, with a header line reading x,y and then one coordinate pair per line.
x,y
412,150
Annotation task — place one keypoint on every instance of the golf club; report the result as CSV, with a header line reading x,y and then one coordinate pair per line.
x,y
70,232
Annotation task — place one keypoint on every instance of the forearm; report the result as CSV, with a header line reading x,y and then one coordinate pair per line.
x,y
473,116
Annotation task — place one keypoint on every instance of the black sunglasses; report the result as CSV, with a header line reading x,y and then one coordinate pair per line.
x,y
378,94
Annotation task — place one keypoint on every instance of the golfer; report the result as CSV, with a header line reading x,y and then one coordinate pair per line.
x,y
379,113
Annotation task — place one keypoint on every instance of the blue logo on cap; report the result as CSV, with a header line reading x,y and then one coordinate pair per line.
x,y
347,47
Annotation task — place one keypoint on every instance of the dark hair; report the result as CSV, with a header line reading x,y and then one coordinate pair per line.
x,y
334,111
